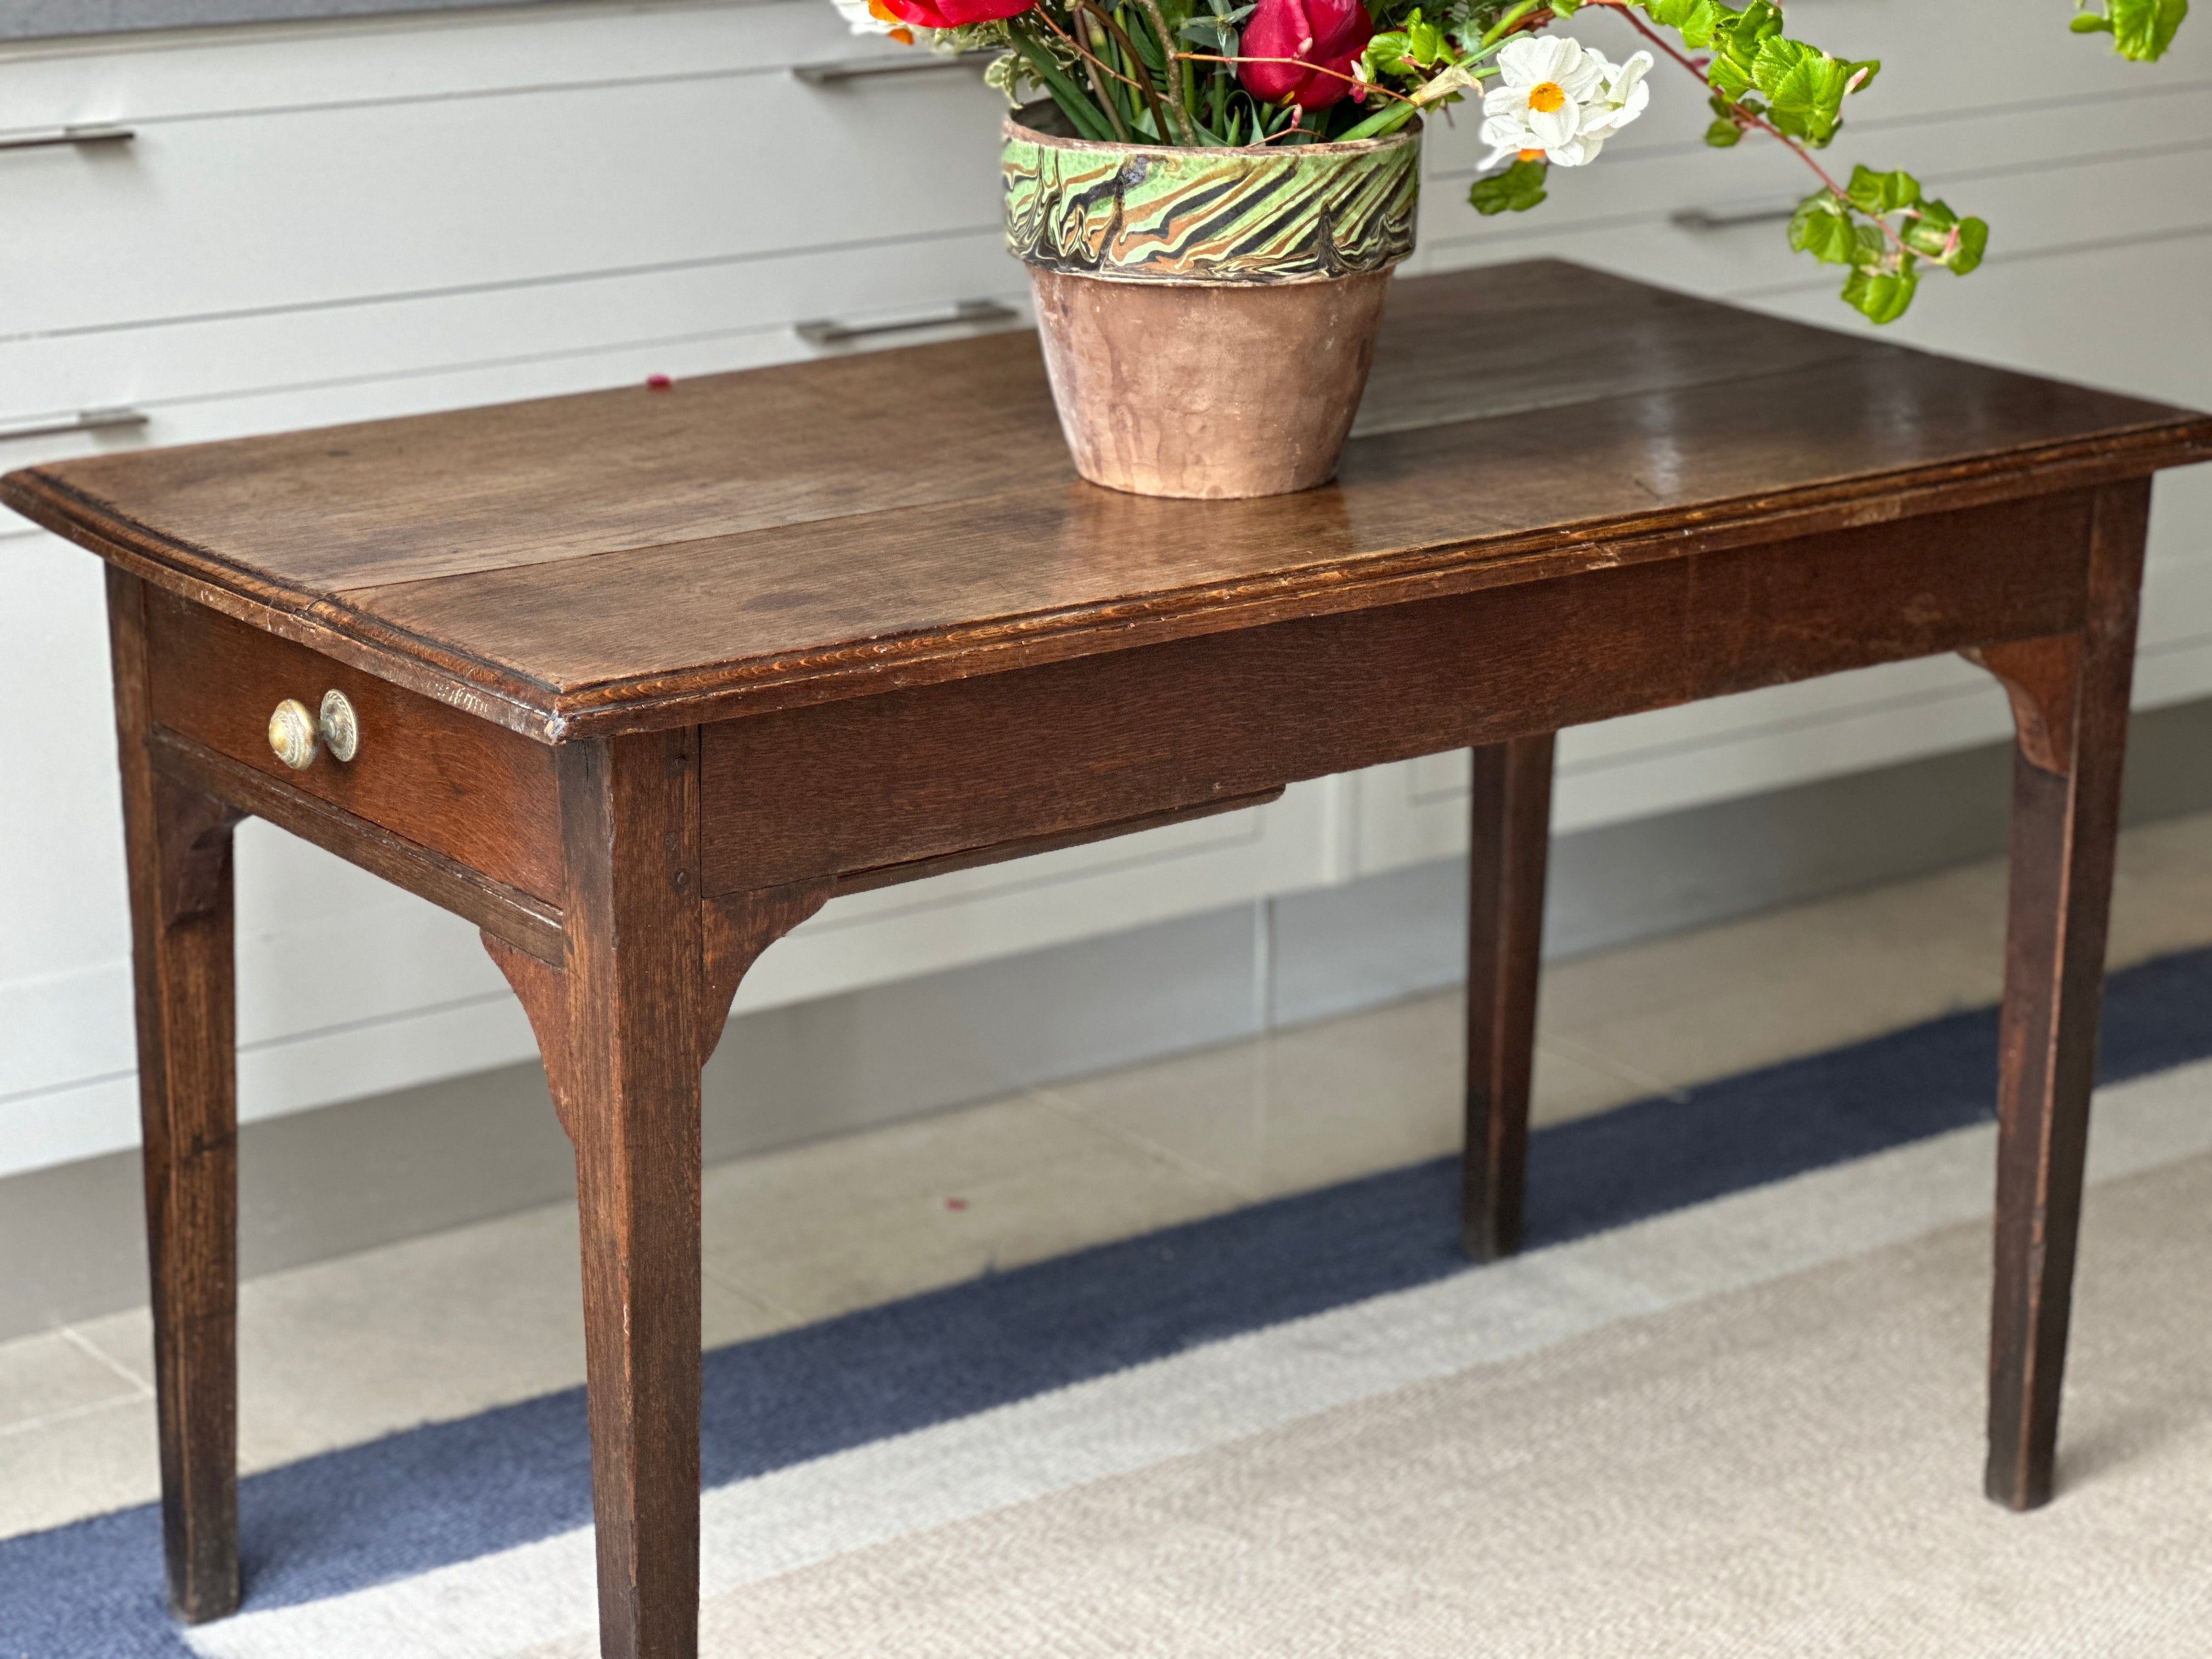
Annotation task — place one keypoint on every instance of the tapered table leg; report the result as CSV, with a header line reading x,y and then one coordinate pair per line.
x,y
635,986
178,843
1510,836
2070,705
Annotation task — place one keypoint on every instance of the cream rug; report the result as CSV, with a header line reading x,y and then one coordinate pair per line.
x,y
1791,1469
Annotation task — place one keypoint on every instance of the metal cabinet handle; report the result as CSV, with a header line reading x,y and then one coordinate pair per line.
x,y
52,138
825,333
294,734
1728,217
86,420
865,69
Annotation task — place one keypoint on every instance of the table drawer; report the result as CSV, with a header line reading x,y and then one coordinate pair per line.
x,y
444,779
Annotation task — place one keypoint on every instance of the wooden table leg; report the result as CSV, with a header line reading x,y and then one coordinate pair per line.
x,y
178,844
1510,836
2069,698
625,1025
635,981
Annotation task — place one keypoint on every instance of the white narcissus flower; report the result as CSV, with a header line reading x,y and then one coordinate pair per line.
x,y
1559,98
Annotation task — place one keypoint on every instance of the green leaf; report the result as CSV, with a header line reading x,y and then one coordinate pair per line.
x,y
1883,192
1804,87
1387,54
1695,20
2090,22
2143,29
1929,231
1729,78
1516,190
1880,297
1973,243
1821,228
1938,233
1753,24
1723,135
1739,37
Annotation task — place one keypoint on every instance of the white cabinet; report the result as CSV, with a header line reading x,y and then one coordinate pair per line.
x,y
375,217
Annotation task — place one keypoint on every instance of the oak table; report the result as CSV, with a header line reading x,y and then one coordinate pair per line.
x,y
636,680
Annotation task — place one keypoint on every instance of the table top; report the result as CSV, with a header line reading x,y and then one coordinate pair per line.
x,y
639,558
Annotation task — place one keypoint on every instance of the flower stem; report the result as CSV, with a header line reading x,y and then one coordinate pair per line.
x,y
1505,24
1110,103
1166,135
1748,117
1082,114
1151,9
1388,120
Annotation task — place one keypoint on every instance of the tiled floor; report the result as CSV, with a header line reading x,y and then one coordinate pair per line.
x,y
343,1351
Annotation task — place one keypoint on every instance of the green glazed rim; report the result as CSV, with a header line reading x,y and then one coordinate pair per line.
x,y
1144,213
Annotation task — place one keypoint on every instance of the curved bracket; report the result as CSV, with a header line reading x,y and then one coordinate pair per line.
x,y
544,991
737,929
739,926
195,850
2042,678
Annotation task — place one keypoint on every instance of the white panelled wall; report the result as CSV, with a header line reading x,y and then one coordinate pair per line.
x,y
321,224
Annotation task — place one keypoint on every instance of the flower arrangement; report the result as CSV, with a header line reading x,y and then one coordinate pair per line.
x,y
1246,74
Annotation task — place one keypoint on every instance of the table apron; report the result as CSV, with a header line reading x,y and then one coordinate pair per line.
x,y
466,791
930,772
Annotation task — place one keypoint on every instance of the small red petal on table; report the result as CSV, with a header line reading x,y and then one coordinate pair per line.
x,y
658,383
955,1203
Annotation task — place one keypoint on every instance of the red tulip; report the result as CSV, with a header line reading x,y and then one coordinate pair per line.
x,y
951,13
1326,33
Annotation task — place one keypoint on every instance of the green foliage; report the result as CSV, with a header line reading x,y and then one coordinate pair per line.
x,y
2140,29
1885,230
1695,20
1414,49
1516,190
1216,31
1823,228
1755,68
1881,192
1148,70
1879,295
1736,39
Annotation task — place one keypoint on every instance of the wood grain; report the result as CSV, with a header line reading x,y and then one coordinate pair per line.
x,y
177,843
738,928
810,630
636,982
482,796
521,918
2065,827
2041,678
847,786
542,988
839,607
626,561
1509,832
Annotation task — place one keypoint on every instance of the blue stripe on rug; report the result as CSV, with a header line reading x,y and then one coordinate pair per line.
x,y
450,1492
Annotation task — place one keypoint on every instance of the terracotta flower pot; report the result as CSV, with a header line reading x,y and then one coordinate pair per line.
x,y
1208,315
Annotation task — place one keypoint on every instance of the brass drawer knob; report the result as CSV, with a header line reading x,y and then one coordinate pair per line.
x,y
294,733
341,731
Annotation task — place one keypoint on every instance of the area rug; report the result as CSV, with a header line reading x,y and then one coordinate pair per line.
x,y
1728,1403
